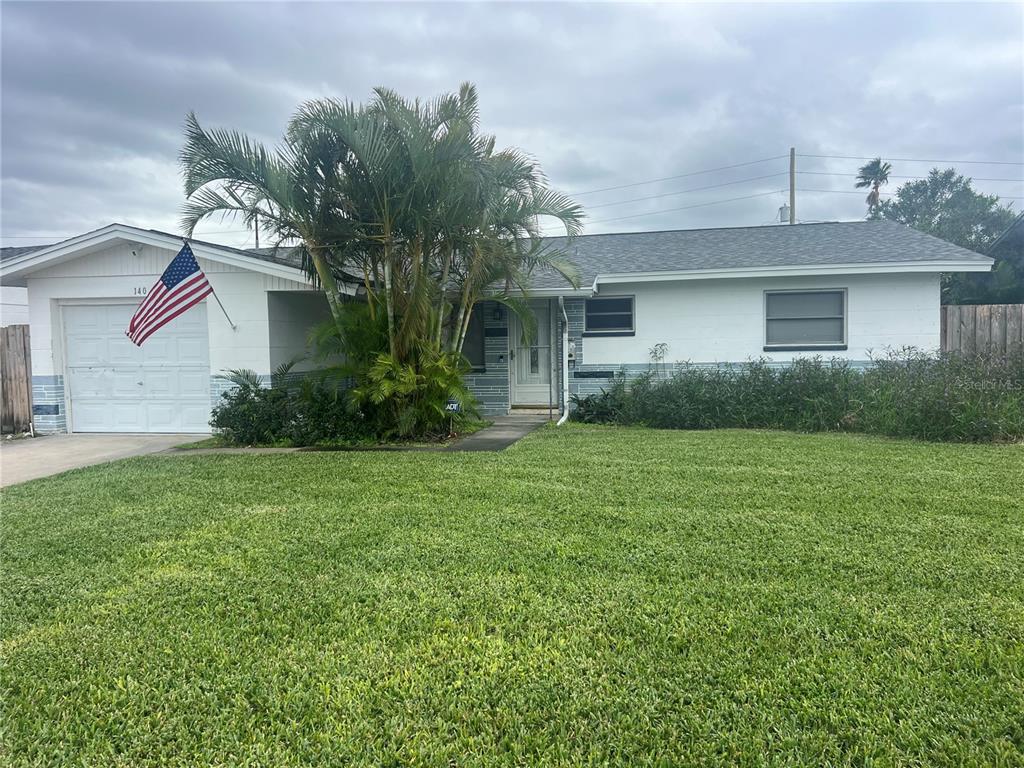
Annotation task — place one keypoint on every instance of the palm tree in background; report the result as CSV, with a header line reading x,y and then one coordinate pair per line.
x,y
875,175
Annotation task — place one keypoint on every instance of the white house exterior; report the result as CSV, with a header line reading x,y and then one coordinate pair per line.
x,y
88,377
710,297
13,306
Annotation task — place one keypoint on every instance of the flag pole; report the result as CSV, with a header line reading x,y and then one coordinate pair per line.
x,y
219,302
233,326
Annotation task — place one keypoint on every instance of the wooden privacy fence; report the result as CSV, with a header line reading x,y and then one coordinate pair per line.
x,y
995,329
15,379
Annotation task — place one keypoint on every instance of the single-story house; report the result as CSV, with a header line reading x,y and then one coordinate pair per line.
x,y
708,296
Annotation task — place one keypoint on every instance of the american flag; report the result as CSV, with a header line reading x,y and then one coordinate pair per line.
x,y
180,287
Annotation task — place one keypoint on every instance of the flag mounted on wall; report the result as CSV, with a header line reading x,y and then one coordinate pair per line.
x,y
182,285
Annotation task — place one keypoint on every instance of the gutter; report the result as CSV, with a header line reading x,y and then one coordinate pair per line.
x,y
565,363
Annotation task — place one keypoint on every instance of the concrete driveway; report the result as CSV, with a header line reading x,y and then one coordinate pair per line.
x,y
31,458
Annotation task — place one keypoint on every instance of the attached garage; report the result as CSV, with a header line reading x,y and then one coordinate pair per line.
x,y
115,386
87,376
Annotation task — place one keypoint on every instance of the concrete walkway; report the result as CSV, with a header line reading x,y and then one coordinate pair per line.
x,y
501,434
34,457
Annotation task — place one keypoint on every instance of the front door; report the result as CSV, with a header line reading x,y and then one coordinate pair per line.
x,y
531,359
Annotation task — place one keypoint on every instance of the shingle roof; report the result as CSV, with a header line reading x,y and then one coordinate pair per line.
x,y
798,245
284,255
13,252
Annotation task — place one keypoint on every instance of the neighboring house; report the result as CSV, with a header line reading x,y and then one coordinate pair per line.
x,y
13,306
13,300
711,296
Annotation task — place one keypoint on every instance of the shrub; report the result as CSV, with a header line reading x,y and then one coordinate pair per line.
x,y
311,411
408,400
952,397
322,414
904,394
251,414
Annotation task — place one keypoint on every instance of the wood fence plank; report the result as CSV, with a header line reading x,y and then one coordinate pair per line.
x,y
968,327
997,346
1015,328
15,379
983,329
996,329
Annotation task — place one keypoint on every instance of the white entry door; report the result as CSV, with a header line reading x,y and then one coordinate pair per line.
x,y
531,360
114,386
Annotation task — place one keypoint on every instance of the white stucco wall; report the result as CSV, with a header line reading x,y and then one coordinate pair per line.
x,y
115,274
707,321
13,306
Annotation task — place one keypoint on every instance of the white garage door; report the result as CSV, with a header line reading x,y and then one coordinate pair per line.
x,y
114,386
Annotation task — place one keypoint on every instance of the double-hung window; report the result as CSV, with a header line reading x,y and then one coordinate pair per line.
x,y
609,316
797,320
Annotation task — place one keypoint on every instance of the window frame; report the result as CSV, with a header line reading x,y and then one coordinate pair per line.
x,y
631,331
823,346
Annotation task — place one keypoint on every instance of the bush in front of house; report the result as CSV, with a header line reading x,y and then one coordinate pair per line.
x,y
312,410
905,394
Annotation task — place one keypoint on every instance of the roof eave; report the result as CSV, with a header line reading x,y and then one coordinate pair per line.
x,y
16,269
972,265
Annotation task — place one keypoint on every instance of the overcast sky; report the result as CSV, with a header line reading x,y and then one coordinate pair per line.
x,y
94,95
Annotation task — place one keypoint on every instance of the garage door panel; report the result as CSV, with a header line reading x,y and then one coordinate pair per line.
x,y
161,383
88,350
164,416
194,383
93,417
90,382
122,351
114,386
125,416
126,382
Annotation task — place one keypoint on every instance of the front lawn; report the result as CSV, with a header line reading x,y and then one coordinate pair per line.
x,y
590,596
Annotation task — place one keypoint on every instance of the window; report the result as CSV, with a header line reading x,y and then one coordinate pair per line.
x,y
805,319
609,316
473,346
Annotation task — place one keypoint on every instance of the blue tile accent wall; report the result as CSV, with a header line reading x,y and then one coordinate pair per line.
x,y
48,414
490,386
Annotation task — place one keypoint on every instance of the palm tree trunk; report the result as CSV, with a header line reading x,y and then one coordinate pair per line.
x,y
444,303
389,300
327,282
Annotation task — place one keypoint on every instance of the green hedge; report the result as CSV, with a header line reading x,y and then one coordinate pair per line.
x,y
905,394
291,411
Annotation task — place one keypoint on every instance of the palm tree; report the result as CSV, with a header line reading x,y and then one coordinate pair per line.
x,y
875,175
408,195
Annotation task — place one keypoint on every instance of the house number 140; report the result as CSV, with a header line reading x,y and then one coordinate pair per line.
x,y
141,291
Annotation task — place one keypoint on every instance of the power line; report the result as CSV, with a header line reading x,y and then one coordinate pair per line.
x,y
687,207
685,191
861,192
919,160
856,175
679,176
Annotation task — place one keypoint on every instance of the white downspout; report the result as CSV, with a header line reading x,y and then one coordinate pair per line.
x,y
565,363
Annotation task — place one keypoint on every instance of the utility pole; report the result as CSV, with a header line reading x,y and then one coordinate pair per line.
x,y
256,225
792,185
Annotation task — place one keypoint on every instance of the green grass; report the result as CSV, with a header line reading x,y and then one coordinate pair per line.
x,y
590,596
214,441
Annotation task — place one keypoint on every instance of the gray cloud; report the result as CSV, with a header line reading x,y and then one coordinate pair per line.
x,y
94,94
